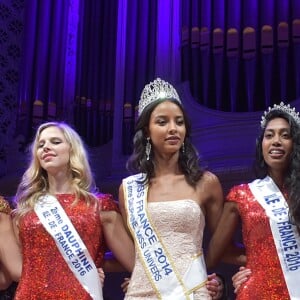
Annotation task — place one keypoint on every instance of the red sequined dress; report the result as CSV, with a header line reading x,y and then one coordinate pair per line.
x,y
45,274
266,281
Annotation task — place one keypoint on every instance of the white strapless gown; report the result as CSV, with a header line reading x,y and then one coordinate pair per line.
x,y
180,225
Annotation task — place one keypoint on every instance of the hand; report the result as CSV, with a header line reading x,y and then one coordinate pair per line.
x,y
240,277
101,276
125,284
215,286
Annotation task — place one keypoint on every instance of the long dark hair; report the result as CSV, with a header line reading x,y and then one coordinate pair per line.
x,y
189,162
292,176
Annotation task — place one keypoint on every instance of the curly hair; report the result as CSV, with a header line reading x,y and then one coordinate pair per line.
x,y
292,176
189,162
34,182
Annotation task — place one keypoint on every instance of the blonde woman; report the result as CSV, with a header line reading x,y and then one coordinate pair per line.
x,y
62,225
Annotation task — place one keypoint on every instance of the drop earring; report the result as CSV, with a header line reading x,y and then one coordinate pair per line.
x,y
148,148
182,148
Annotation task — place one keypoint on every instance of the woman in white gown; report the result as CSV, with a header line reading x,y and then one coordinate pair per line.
x,y
165,205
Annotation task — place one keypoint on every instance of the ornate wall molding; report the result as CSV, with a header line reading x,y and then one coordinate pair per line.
x,y
11,33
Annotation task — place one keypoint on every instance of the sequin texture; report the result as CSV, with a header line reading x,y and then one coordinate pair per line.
x,y
266,280
45,273
4,206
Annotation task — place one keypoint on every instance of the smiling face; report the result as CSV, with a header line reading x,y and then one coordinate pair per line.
x,y
53,150
167,128
277,144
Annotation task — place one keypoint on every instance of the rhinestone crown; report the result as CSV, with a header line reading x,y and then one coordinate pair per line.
x,y
155,90
285,108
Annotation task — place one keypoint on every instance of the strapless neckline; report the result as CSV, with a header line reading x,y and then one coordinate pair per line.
x,y
175,202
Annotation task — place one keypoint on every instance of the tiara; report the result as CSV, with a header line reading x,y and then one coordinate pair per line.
x,y
155,90
284,108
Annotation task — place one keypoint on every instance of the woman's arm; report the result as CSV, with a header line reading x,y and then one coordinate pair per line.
x,y
117,238
221,245
10,252
122,207
111,264
214,199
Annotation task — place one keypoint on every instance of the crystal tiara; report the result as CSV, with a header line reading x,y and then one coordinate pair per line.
x,y
155,90
285,108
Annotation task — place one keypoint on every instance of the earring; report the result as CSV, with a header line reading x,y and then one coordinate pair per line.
x,y
148,148
182,148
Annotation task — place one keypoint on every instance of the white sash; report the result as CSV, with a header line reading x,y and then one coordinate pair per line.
x,y
69,243
158,264
285,234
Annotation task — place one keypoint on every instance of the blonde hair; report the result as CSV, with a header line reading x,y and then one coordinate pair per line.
x,y
34,181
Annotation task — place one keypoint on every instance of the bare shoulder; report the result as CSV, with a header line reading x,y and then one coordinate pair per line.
x,y
209,178
209,190
108,217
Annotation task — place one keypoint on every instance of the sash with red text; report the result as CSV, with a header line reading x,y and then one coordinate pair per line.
x,y
69,243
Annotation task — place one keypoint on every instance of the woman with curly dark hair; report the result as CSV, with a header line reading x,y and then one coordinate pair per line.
x,y
291,178
167,202
269,208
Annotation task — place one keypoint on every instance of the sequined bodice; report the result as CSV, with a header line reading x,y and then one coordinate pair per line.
x,y
180,226
45,274
4,206
266,280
